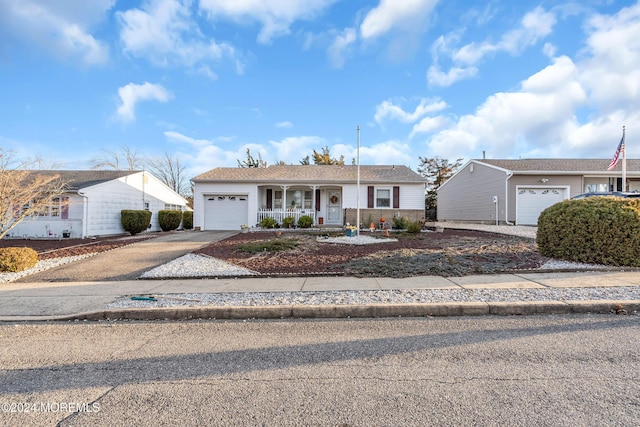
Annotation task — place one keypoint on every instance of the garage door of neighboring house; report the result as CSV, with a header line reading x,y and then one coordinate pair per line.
x,y
530,202
225,212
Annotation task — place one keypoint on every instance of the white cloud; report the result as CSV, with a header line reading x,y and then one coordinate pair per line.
x,y
276,16
570,108
59,27
534,26
437,77
284,125
387,109
340,47
428,125
406,15
387,153
133,93
541,113
611,71
164,32
292,149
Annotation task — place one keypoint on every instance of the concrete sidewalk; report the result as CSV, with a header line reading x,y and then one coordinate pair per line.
x,y
87,300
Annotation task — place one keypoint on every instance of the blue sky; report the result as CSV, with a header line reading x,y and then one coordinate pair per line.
x,y
207,79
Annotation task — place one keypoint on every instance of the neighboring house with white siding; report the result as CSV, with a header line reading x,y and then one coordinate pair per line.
x,y
517,191
227,198
93,203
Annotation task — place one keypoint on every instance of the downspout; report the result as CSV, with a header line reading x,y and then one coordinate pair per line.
x,y
85,214
506,199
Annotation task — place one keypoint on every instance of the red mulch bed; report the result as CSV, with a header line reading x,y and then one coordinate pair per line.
x,y
449,253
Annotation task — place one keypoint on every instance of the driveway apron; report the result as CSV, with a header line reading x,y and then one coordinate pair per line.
x,y
129,262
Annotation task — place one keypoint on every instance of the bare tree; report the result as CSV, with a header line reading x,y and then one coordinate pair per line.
x,y
170,170
25,193
125,159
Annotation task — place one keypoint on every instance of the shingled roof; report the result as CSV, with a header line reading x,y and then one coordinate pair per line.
x,y
560,166
79,179
312,174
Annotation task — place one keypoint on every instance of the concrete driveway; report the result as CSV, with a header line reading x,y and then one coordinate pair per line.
x,y
129,262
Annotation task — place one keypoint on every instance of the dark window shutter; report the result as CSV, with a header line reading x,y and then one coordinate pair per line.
x,y
269,198
396,197
370,197
317,199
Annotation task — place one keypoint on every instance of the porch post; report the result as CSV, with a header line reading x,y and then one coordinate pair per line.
x,y
313,203
284,197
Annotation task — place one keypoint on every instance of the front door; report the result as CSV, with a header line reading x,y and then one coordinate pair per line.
x,y
334,207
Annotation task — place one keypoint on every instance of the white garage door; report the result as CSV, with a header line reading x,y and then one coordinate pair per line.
x,y
225,212
531,202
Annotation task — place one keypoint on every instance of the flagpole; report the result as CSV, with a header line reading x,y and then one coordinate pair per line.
x,y
624,161
358,187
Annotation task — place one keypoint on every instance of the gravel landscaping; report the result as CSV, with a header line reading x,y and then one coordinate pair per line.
x,y
381,297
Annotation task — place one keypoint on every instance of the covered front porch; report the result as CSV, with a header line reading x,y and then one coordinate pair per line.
x,y
322,203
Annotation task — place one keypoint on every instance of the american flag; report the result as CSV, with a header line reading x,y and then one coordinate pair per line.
x,y
614,161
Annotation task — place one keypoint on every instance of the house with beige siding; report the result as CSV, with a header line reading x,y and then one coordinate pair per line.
x,y
227,198
517,191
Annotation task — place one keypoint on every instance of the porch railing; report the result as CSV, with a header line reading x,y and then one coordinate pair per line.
x,y
280,214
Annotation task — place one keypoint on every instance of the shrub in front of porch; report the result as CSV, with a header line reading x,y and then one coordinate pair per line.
x,y
288,222
596,230
268,222
305,221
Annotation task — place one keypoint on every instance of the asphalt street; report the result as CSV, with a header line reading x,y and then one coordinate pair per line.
x,y
579,370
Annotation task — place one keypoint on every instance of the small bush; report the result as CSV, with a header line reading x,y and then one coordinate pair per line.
x,y
288,222
169,219
597,230
414,227
17,259
305,221
268,222
135,221
187,220
401,222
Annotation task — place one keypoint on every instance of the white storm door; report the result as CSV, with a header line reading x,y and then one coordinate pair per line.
x,y
334,207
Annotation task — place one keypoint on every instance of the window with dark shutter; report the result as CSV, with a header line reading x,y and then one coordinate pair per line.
x,y
269,198
317,199
370,197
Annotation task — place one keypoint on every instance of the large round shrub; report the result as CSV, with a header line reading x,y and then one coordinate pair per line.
x,y
169,219
599,230
135,221
187,220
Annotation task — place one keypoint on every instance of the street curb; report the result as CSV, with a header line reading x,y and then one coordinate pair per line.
x,y
347,311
